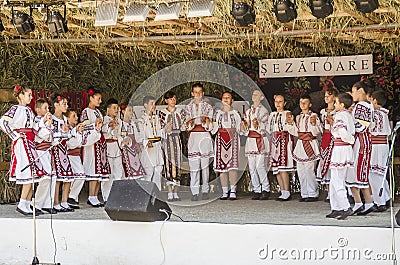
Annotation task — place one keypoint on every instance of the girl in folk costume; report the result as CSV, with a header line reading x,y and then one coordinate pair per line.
x,y
112,133
342,158
18,123
327,116
254,126
281,147
198,115
152,155
94,159
357,178
380,130
306,152
130,148
227,143
62,169
82,137
171,123
44,196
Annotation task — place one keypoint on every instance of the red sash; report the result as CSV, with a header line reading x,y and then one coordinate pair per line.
x,y
379,139
339,142
43,146
74,152
306,138
28,132
259,140
111,140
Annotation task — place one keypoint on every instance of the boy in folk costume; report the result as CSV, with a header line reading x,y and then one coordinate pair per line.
x,y
18,124
281,147
45,190
130,147
327,115
198,115
94,159
152,155
342,158
257,146
306,152
226,126
62,168
171,124
357,178
75,151
380,130
112,133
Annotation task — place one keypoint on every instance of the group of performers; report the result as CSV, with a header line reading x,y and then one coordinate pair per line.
x,y
63,150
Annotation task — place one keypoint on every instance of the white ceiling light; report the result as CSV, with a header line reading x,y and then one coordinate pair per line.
x,y
136,12
106,13
201,8
168,12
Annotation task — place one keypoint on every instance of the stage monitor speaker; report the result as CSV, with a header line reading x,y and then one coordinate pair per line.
x,y
135,200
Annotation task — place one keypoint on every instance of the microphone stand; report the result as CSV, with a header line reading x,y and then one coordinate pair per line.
x,y
35,260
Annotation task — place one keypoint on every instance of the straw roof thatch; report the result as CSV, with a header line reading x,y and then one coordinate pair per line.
x,y
345,32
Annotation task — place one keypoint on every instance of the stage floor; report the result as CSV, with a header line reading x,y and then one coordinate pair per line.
x,y
242,211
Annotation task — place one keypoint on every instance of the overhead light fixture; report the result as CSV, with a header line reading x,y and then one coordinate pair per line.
x,y
56,22
243,13
22,22
168,11
285,11
136,12
201,8
366,6
321,8
106,13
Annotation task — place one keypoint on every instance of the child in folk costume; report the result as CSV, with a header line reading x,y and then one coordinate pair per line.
x,y
198,115
82,136
380,130
62,169
130,148
171,123
327,116
357,179
18,123
257,146
112,133
306,152
281,147
342,158
44,197
152,155
94,159
226,126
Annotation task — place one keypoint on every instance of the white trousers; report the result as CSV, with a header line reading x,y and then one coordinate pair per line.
x,y
76,188
380,188
258,173
154,174
117,173
44,195
195,165
337,189
308,179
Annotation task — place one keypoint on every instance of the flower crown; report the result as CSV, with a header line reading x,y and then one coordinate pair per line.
x,y
91,92
17,89
123,107
59,98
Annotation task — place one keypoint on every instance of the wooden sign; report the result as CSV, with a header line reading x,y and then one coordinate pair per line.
x,y
316,66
